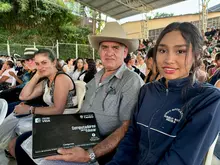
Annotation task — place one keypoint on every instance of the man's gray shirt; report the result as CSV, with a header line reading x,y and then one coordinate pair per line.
x,y
113,101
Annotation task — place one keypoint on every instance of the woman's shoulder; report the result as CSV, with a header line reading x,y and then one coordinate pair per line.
x,y
206,88
203,94
63,77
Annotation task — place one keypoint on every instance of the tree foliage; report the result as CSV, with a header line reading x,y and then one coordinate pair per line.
x,y
5,7
40,21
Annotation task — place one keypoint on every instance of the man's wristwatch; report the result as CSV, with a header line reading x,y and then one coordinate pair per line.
x,y
31,110
91,155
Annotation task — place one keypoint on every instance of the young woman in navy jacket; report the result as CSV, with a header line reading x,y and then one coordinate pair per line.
x,y
177,118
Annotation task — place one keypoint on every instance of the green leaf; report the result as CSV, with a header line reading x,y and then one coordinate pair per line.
x,y
5,7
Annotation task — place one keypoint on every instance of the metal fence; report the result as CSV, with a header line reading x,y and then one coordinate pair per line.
x,y
62,50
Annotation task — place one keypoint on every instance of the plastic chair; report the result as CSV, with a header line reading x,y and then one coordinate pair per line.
x,y
14,80
209,155
80,93
3,110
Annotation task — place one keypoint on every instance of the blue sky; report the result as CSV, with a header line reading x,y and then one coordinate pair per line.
x,y
186,7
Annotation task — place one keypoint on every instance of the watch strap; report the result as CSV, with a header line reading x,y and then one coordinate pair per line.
x,y
91,155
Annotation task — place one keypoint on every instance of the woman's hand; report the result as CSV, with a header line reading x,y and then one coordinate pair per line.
x,y
21,109
38,75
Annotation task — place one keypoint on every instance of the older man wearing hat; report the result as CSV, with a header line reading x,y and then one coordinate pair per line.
x,y
112,95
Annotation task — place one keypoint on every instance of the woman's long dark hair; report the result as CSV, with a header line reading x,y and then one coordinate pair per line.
x,y
67,60
91,66
192,36
75,68
150,53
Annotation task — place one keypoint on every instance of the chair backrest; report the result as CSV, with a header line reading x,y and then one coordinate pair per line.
x,y
209,155
3,110
80,93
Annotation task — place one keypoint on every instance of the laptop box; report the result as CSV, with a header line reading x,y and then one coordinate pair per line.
x,y
51,132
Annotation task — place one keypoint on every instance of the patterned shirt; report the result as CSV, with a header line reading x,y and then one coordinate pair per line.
x,y
25,78
113,100
48,95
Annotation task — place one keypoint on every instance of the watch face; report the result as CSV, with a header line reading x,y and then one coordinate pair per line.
x,y
92,156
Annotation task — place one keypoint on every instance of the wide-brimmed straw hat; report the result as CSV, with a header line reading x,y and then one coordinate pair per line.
x,y
115,33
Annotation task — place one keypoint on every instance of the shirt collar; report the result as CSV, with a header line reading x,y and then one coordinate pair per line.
x,y
176,84
118,73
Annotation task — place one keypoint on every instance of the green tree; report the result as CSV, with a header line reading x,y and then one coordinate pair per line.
x,y
40,21
46,17
5,7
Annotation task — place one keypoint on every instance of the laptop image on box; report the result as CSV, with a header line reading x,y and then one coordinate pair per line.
x,y
63,131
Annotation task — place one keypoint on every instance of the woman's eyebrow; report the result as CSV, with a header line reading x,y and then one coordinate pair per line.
x,y
164,45
184,45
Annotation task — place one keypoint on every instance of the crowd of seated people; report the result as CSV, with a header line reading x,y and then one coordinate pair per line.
x,y
44,76
48,82
6,72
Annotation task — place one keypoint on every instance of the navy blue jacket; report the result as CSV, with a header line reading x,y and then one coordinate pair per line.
x,y
172,126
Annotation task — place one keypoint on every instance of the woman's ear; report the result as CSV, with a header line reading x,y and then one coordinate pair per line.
x,y
55,62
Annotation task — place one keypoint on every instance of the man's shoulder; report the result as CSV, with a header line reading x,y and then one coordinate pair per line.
x,y
131,77
131,74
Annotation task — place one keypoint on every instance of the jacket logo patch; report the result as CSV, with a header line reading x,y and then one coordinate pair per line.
x,y
174,115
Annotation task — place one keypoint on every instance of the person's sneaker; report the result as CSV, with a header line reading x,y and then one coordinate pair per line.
x,y
8,155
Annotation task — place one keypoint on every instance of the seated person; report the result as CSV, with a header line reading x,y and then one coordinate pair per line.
x,y
177,118
54,95
130,63
24,78
78,69
6,79
141,63
152,71
28,62
1,63
215,77
68,68
99,65
111,95
89,70
212,70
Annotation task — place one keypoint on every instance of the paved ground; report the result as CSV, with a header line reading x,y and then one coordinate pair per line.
x,y
4,160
